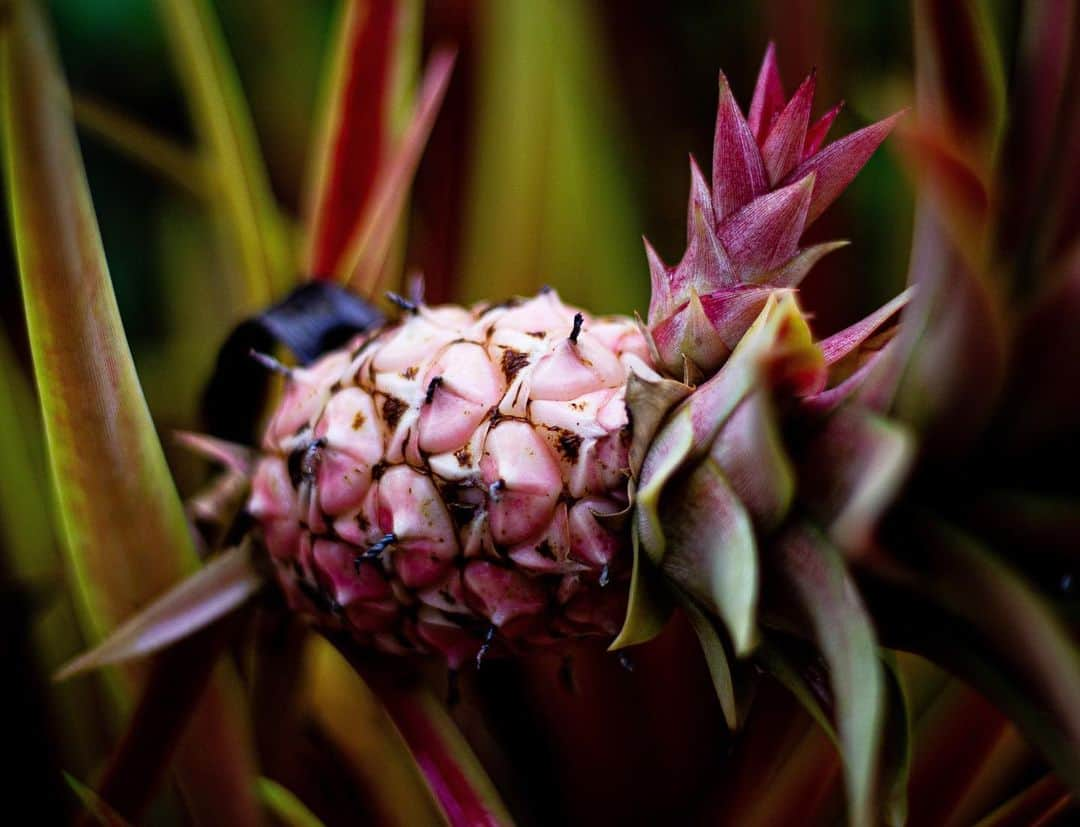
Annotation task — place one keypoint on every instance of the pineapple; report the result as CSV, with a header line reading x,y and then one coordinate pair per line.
x,y
459,480
453,474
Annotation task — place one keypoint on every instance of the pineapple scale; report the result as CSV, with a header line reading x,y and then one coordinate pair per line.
x,y
447,475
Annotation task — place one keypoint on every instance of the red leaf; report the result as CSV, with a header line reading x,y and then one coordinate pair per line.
x,y
768,95
356,131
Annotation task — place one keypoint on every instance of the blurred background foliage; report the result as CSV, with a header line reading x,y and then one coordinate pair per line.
x,y
563,139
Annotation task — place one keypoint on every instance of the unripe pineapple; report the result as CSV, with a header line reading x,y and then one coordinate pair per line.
x,y
460,479
455,473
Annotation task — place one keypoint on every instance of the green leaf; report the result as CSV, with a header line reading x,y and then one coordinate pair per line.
x,y
122,523
712,553
715,658
971,613
95,806
285,806
649,607
814,572
25,519
243,199
349,716
896,752
33,558
548,200
176,164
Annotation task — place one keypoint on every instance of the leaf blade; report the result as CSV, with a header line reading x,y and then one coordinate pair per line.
x,y
220,587
126,537
245,205
816,576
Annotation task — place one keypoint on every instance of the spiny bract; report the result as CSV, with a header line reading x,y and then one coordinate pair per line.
x,y
449,475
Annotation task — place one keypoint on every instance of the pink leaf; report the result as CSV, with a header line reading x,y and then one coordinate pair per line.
x,y
783,147
768,95
765,233
738,172
815,136
840,162
839,345
370,243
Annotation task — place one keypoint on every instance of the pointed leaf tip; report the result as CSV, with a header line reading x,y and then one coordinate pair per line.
x,y
768,95
362,264
815,135
738,171
221,586
838,163
783,146
229,455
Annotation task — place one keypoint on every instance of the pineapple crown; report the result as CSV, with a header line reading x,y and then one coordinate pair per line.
x,y
771,178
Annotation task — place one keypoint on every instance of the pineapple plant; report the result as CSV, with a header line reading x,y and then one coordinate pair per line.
x,y
459,480
486,481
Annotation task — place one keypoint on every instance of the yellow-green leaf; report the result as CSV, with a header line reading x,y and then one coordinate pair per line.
x,y
285,806
244,200
122,523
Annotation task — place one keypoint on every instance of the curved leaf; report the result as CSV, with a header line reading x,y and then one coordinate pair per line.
x,y
974,615
176,164
96,807
220,587
851,472
649,606
348,714
792,675
715,658
123,525
896,755
712,553
814,572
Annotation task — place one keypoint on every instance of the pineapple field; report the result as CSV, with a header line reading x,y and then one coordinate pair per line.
x,y
362,466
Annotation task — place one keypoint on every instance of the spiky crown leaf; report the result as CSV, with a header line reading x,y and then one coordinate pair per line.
x,y
771,178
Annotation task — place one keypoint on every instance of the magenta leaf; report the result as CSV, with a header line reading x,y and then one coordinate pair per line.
x,y
838,163
783,147
768,95
738,172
